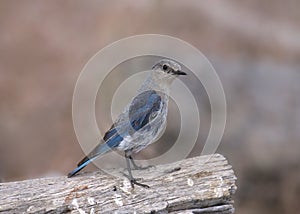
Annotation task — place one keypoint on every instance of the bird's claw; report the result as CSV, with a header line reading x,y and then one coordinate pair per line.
x,y
134,182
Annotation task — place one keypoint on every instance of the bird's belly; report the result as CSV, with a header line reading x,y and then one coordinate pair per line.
x,y
142,138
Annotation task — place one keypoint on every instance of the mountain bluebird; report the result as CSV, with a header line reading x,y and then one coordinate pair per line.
x,y
141,121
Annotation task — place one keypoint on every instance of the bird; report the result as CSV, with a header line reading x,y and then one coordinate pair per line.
x,y
141,121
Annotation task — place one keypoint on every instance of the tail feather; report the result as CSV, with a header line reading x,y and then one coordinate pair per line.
x,y
85,159
80,167
100,149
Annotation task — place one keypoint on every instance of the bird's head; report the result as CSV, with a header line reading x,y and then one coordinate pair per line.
x,y
167,70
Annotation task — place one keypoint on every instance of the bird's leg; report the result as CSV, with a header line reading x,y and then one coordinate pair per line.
x,y
135,166
131,178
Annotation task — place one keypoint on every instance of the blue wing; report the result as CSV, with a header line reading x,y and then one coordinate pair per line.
x,y
140,111
142,107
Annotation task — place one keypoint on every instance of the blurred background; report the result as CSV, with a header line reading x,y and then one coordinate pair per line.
x,y
253,45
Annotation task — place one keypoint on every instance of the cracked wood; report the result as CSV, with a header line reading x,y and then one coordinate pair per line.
x,y
203,184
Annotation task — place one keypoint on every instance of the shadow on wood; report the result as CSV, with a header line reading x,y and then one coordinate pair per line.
x,y
202,184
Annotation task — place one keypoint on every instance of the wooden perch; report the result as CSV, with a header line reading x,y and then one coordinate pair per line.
x,y
195,185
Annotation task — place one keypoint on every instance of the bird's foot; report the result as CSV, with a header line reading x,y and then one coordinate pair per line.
x,y
134,182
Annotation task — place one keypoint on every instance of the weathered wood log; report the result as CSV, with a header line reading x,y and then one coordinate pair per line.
x,y
195,185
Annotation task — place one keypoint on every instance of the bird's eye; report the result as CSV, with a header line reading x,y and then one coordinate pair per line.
x,y
165,67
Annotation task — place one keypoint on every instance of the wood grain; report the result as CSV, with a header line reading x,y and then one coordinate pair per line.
x,y
203,184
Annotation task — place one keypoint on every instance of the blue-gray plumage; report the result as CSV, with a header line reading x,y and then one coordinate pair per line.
x,y
142,120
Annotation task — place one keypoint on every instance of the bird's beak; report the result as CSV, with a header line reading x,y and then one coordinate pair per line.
x,y
179,72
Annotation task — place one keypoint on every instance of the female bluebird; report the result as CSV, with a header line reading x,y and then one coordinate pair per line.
x,y
141,121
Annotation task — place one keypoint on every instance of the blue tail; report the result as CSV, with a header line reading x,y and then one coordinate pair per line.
x,y
112,142
80,167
